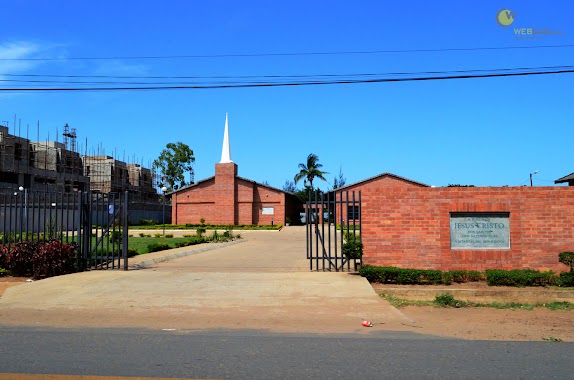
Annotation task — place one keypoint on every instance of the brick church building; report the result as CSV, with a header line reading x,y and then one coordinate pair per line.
x,y
229,199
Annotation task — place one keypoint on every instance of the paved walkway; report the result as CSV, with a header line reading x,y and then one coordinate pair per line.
x,y
263,282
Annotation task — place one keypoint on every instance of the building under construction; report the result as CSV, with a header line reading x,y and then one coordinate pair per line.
x,y
52,166
42,166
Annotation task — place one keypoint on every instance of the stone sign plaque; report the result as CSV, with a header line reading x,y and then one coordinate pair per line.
x,y
479,231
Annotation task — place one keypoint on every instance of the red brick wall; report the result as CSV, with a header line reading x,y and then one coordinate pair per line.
x,y
267,197
410,227
227,199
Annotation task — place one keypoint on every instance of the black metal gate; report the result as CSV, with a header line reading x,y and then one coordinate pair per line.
x,y
98,223
334,224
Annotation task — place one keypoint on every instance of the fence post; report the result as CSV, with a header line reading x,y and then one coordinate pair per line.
x,y
125,231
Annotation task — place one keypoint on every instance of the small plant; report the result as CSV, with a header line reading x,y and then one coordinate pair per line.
x,y
116,237
141,234
169,236
568,259
448,300
552,339
147,222
202,221
158,235
132,252
200,231
228,233
352,249
287,220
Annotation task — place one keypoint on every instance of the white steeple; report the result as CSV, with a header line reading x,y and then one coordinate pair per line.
x,y
226,150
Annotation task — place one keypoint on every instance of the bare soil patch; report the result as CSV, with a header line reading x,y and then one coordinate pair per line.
x,y
7,282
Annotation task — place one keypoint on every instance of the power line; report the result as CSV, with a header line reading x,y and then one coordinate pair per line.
x,y
285,84
246,55
275,76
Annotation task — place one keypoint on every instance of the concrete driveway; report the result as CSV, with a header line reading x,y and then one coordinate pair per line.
x,y
263,282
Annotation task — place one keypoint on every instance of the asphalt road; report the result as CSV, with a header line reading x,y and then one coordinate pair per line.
x,y
245,354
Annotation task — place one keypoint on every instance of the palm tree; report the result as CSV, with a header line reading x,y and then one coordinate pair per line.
x,y
311,170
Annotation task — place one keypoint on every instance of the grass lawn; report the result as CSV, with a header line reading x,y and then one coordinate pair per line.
x,y
141,243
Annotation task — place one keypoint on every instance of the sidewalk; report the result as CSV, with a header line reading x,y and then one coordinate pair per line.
x,y
263,282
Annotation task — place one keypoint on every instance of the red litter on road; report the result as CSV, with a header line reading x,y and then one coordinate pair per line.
x,y
367,324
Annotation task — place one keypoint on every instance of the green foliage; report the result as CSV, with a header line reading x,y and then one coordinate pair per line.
x,y
567,258
566,279
172,163
4,272
352,249
168,236
401,276
339,181
202,220
448,300
519,277
132,252
116,237
155,247
141,234
158,235
228,233
462,276
310,170
147,222
289,187
200,231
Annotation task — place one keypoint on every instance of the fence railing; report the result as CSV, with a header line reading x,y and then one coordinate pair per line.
x,y
98,223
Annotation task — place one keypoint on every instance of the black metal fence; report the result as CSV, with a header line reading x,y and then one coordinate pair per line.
x,y
98,223
334,231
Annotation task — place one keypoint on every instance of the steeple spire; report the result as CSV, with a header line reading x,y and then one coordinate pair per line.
x,y
226,150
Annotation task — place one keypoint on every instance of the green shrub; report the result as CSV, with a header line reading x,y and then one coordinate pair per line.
x,y
158,235
155,247
116,237
169,236
132,252
461,276
401,276
142,234
352,249
567,258
349,236
200,231
566,279
147,222
448,300
4,272
519,277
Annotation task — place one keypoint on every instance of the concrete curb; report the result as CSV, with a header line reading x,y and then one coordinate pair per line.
x,y
159,259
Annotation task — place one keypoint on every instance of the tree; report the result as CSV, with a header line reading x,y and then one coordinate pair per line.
x,y
289,186
172,163
341,181
310,170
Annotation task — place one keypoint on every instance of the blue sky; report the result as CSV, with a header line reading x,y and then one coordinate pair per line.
x,y
485,132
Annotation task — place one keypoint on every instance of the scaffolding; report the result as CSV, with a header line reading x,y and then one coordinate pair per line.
x,y
54,166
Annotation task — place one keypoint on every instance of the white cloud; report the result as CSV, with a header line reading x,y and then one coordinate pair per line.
x,y
119,67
